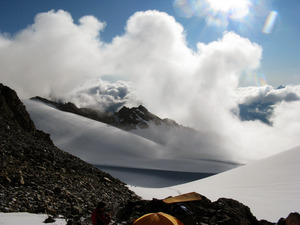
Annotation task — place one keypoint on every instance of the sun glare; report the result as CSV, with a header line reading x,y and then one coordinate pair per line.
x,y
236,9
216,12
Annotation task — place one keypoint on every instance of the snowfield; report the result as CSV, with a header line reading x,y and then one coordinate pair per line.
x,y
270,187
26,219
99,144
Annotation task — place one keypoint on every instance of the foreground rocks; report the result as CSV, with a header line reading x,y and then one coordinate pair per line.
x,y
204,212
37,177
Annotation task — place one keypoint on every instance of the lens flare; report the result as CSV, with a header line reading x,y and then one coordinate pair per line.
x,y
246,16
185,8
216,12
235,9
259,79
270,22
218,20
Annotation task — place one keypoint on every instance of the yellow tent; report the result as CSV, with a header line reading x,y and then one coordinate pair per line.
x,y
157,219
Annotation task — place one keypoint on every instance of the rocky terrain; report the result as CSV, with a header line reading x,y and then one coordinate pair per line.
x,y
37,177
202,212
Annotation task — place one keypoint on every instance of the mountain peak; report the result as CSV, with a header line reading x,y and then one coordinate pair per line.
x,y
136,117
13,110
126,118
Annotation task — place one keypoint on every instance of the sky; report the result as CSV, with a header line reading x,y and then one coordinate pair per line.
x,y
205,23
192,61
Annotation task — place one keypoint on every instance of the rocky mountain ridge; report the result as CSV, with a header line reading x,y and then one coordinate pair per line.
x,y
125,118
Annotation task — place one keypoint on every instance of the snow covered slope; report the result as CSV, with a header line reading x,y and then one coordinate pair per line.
x,y
270,187
26,219
101,144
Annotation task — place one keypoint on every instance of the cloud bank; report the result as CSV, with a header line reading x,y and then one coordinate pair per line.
x,y
57,57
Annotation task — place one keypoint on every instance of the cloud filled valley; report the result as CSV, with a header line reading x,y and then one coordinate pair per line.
x,y
151,64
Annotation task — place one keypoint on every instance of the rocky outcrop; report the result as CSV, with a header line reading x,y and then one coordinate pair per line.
x,y
125,118
37,177
204,212
136,117
12,109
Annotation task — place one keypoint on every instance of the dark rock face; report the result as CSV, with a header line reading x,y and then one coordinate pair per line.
x,y
125,118
204,212
37,177
136,117
12,109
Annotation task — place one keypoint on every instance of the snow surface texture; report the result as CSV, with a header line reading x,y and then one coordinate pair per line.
x,y
26,219
270,187
101,144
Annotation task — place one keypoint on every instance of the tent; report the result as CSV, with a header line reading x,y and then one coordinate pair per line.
x,y
157,219
189,197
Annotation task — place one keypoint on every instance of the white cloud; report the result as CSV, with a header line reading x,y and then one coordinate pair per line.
x,y
57,56
153,54
103,95
267,94
52,55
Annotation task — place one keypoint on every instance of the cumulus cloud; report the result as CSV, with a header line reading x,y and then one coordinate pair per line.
x,y
103,95
59,57
258,103
167,73
267,94
154,55
52,55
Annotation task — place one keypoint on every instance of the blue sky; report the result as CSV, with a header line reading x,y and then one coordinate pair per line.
x,y
281,48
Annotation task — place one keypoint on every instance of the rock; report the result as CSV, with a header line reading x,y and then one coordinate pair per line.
x,y
37,177
12,109
76,210
224,211
22,179
292,219
57,190
5,181
50,219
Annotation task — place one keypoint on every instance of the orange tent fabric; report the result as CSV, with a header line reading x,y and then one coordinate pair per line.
x,y
157,219
192,196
